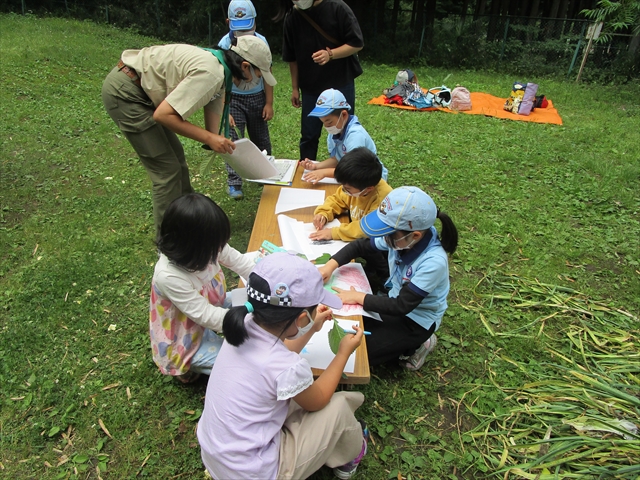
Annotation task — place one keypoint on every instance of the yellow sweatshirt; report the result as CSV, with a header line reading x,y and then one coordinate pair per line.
x,y
357,207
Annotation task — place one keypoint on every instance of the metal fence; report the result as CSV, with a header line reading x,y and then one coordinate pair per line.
x,y
515,44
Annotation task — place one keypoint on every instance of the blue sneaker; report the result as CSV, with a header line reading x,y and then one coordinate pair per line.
x,y
348,470
235,192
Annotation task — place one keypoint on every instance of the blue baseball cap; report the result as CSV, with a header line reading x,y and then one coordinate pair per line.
x,y
406,208
328,101
241,15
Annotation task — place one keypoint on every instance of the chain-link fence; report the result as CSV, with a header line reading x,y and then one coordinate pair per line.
x,y
523,45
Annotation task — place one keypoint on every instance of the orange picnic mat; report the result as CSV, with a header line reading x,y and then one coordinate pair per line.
x,y
485,104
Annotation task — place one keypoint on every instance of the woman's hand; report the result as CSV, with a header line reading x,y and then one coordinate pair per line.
x,y
220,144
322,57
350,342
350,297
295,98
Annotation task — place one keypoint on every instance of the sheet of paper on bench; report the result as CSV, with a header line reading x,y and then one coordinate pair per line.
x,y
347,276
330,180
248,161
318,352
294,198
295,236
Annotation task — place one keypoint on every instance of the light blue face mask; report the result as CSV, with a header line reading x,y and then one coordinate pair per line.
x,y
303,330
249,84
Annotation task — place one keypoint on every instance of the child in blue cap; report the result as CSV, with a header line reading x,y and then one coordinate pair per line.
x,y
251,100
403,225
345,134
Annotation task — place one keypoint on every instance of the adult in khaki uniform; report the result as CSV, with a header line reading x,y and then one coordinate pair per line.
x,y
152,92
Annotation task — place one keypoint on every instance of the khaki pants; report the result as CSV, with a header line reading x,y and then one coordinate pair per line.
x,y
331,436
158,148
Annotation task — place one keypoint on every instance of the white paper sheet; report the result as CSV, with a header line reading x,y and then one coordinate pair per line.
x,y
248,161
294,198
295,236
284,179
318,352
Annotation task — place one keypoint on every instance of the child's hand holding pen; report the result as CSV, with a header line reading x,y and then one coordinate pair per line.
x,y
319,221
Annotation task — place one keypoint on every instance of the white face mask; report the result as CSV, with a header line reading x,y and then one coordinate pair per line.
x,y
393,244
249,84
335,130
242,33
354,195
303,4
303,330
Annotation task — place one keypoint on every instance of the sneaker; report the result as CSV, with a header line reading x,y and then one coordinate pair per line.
x,y
414,362
235,192
348,470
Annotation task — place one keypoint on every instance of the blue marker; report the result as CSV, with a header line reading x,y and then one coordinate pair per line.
x,y
354,332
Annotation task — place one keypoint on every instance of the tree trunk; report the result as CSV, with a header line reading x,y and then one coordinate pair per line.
x,y
414,14
493,20
481,6
430,11
394,20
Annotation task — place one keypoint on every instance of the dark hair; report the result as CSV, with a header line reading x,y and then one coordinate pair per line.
x,y
449,233
234,62
338,111
233,327
359,168
283,9
193,231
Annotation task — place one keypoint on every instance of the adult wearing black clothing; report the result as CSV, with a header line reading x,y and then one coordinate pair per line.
x,y
317,63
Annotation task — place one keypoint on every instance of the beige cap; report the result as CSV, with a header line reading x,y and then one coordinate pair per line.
x,y
257,53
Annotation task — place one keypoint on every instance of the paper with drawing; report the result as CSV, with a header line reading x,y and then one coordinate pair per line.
x,y
347,276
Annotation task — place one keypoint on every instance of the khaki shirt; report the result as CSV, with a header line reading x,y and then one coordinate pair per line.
x,y
187,77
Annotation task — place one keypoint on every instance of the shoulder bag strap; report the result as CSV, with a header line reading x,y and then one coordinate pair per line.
x,y
317,27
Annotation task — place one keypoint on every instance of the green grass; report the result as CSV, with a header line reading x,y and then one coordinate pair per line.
x,y
559,204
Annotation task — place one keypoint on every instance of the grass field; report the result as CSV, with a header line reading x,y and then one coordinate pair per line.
x,y
540,339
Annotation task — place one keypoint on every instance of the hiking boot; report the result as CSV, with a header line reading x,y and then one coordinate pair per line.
x,y
348,470
416,360
235,192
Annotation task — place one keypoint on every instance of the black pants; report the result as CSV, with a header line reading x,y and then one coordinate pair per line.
x,y
394,336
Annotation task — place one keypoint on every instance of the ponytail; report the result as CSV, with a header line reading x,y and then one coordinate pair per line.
x,y
233,327
449,233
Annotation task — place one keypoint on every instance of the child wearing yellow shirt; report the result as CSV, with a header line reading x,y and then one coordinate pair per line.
x,y
361,191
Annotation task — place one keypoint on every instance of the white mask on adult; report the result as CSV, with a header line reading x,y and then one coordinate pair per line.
x,y
303,330
303,4
249,84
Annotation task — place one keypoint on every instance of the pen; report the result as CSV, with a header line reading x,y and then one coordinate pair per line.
x,y
354,332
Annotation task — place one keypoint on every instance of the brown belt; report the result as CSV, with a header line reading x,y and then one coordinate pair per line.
x,y
129,72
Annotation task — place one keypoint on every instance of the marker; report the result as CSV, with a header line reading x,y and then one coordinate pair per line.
x,y
354,332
